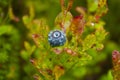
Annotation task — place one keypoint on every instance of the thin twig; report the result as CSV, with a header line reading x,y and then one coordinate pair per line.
x,y
70,3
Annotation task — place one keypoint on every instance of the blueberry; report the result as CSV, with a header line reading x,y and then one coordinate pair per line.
x,y
56,38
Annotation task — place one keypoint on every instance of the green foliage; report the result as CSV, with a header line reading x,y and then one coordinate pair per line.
x,y
25,52
8,34
54,62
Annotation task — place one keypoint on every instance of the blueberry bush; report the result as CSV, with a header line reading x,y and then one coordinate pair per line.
x,y
59,40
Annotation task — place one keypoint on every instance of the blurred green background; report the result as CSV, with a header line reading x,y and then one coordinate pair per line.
x,y
13,33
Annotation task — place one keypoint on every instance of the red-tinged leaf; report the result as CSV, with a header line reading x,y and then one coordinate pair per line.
x,y
33,61
70,3
97,17
62,2
77,25
37,39
115,56
116,64
57,50
70,51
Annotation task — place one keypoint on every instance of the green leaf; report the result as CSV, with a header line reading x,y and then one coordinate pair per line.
x,y
92,5
108,76
26,20
99,46
100,34
63,19
4,29
89,41
30,49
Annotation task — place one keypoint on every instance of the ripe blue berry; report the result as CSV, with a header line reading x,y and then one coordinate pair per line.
x,y
56,38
